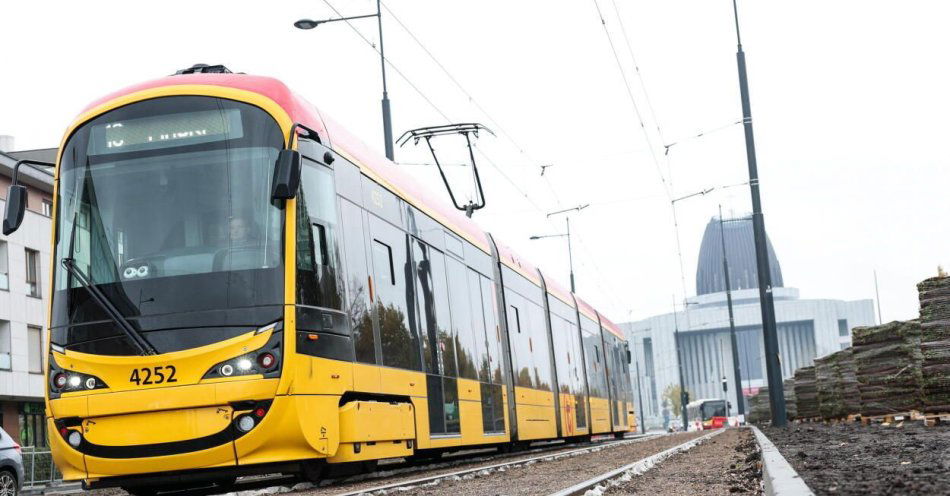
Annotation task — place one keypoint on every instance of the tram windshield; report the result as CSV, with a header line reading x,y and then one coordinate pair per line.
x,y
165,206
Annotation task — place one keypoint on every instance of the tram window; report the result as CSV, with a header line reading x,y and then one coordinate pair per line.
x,y
562,355
596,378
488,420
423,256
383,260
450,397
436,404
461,317
446,342
478,326
398,339
492,333
520,353
358,304
541,348
317,254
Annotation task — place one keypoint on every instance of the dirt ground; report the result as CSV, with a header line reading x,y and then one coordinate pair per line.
x,y
854,459
726,464
549,476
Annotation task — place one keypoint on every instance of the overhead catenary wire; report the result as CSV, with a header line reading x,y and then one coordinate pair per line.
x,y
445,116
700,134
633,101
509,137
667,185
494,122
636,66
428,101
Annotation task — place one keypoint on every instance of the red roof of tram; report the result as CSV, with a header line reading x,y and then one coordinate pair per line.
x,y
302,111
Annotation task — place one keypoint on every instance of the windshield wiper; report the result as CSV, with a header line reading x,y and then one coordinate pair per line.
x,y
135,337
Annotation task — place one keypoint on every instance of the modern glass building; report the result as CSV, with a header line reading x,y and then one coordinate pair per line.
x,y
807,328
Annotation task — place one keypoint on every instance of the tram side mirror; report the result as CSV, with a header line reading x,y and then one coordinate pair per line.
x,y
629,355
286,175
14,209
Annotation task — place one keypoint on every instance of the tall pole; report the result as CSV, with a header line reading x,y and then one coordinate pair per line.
x,y
740,400
877,296
679,361
636,364
570,256
387,117
772,364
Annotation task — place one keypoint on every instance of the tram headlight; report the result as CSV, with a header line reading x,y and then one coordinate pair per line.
x,y
263,361
74,439
245,423
68,381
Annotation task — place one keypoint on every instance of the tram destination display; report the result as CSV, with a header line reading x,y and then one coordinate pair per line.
x,y
164,131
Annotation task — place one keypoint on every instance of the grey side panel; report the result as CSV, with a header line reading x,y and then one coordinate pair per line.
x,y
505,343
556,387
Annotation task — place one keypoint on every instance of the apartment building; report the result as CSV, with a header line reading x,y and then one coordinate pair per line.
x,y
24,298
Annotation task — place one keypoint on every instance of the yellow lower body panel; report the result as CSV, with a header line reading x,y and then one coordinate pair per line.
x,y
536,414
373,450
372,430
295,428
67,460
569,423
599,415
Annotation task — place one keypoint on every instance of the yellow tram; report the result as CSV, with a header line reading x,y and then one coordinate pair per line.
x,y
240,286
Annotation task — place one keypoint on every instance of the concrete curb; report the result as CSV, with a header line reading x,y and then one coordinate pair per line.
x,y
779,477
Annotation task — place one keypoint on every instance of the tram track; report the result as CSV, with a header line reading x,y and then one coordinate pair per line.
x,y
446,467
469,473
637,467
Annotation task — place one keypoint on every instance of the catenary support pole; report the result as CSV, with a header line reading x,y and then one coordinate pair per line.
x,y
773,368
679,362
570,255
740,400
639,407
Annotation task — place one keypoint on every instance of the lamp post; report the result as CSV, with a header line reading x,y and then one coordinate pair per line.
x,y
773,366
570,255
387,116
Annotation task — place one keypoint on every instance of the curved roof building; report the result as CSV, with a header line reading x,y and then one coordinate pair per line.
x,y
740,249
806,328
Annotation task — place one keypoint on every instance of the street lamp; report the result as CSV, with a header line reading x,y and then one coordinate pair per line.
x,y
676,326
387,117
570,255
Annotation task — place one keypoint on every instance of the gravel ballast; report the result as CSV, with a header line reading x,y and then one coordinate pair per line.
x,y
726,464
548,476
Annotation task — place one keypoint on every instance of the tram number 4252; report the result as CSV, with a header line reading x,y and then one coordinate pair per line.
x,y
153,375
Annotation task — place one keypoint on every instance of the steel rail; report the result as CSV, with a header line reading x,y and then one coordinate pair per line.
x,y
645,463
460,473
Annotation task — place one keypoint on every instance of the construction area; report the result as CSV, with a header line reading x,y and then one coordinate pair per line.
x,y
874,418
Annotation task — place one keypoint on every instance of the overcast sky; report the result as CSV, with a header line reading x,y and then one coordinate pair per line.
x,y
849,98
